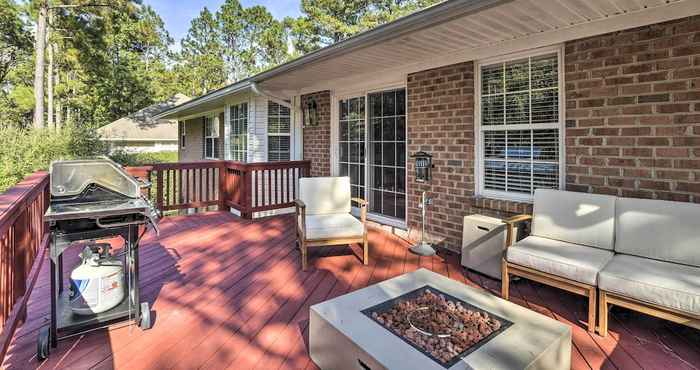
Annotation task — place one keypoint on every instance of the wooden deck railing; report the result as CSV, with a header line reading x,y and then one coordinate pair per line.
x,y
257,187
23,241
246,187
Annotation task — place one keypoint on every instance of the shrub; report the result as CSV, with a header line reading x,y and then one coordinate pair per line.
x,y
140,159
23,151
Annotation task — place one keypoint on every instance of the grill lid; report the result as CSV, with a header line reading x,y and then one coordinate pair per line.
x,y
70,178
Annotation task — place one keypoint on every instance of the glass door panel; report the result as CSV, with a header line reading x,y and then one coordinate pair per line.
x,y
387,150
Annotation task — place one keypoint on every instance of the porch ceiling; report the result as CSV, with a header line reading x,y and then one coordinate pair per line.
x,y
497,28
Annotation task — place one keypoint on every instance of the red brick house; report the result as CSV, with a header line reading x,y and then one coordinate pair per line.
x,y
595,96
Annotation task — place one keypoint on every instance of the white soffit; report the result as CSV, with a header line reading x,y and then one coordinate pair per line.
x,y
509,27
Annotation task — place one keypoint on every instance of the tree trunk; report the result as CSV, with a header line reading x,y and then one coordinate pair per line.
x,y
39,46
59,106
49,98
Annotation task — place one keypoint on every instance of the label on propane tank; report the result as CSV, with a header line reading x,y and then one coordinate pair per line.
x,y
110,283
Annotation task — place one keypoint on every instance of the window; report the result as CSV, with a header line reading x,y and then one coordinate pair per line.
x,y
182,133
238,117
387,153
352,143
520,122
211,137
278,131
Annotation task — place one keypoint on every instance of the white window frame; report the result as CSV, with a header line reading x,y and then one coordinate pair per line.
x,y
561,126
283,134
335,143
231,125
214,119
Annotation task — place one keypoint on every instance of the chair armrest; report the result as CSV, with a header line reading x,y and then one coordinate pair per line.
x,y
360,201
512,222
363,208
300,209
517,219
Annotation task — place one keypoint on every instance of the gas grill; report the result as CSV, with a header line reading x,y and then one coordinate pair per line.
x,y
92,200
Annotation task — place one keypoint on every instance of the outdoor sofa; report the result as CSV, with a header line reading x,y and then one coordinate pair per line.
x,y
640,254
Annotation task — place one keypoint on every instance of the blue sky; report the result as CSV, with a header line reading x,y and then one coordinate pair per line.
x,y
178,14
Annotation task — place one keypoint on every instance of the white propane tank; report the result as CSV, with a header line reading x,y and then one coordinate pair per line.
x,y
97,284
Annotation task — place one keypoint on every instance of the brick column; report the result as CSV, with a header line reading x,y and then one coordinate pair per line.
x,y
441,122
317,139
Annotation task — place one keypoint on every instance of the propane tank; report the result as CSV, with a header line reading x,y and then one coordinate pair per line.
x,y
97,284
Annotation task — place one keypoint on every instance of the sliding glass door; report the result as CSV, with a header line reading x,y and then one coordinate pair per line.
x,y
380,131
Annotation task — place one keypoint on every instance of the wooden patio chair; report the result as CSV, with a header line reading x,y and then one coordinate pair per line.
x,y
324,215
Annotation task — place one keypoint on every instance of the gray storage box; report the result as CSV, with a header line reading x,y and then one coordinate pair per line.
x,y
483,242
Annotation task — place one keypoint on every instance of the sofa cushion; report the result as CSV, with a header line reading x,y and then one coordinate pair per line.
x,y
579,218
333,226
572,261
325,195
663,230
663,283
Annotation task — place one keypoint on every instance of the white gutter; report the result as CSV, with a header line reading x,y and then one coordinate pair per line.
x,y
231,89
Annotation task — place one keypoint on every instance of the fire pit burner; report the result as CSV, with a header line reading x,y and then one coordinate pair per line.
x,y
442,327
418,318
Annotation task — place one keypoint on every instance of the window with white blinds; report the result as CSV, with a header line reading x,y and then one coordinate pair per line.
x,y
211,137
520,121
238,117
279,132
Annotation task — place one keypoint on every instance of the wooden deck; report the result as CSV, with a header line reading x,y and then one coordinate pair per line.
x,y
229,293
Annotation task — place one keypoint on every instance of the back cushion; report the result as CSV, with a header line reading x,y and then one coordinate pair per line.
x,y
580,218
658,229
325,195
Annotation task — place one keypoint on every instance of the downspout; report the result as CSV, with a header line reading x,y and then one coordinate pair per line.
x,y
276,99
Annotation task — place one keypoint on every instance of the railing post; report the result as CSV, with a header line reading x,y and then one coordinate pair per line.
x,y
246,192
159,189
223,186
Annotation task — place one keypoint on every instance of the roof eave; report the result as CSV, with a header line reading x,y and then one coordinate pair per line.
x,y
421,19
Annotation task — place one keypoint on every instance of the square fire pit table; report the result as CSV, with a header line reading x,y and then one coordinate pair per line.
x,y
344,334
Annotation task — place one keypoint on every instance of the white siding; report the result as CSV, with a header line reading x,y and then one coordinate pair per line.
x,y
257,128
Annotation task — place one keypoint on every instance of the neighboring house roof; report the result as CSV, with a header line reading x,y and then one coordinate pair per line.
x,y
143,126
450,32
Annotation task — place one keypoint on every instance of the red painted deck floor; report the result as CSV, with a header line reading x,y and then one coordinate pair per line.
x,y
228,293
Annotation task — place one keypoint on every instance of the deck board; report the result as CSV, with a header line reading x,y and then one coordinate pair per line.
x,y
229,293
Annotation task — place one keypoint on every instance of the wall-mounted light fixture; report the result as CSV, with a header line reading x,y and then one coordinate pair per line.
x,y
310,111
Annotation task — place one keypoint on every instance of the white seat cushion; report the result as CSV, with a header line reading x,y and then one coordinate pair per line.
x,y
572,261
333,226
325,195
579,218
658,229
663,283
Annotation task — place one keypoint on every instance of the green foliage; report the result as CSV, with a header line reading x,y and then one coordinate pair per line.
x,y
140,159
110,61
336,20
15,39
23,151
201,63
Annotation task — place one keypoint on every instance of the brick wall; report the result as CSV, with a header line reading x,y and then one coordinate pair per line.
x,y
317,139
633,112
632,128
441,122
